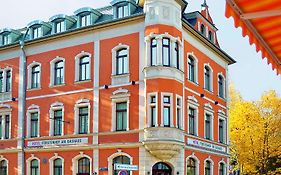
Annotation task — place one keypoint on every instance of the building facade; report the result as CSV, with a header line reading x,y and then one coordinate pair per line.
x,y
137,87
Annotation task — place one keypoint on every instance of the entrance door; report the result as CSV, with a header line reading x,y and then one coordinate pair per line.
x,y
161,169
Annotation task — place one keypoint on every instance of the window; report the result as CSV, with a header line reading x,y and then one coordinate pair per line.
x,y
1,81
34,125
83,120
36,32
84,166
34,167
153,56
58,123
120,160
207,78
207,167
57,167
1,127
166,52
85,20
59,26
121,116
191,69
153,110
191,121
8,80
84,68
59,73
221,86
179,112
191,167
203,29
122,62
222,169
177,55
5,39
208,126
122,11
35,76
5,126
166,111
211,36
3,167
222,130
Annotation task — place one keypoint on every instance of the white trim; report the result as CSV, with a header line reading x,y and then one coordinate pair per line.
x,y
192,55
77,65
211,77
110,160
54,107
51,163
29,74
171,108
212,165
225,167
197,163
75,163
4,113
7,162
196,112
220,117
52,70
79,104
32,109
180,107
28,164
149,106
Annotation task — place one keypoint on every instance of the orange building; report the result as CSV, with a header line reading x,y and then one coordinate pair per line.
x,y
137,87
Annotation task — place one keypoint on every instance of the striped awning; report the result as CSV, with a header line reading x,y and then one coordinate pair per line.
x,y
260,20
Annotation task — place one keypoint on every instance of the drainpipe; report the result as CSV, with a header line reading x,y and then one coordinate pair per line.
x,y
21,106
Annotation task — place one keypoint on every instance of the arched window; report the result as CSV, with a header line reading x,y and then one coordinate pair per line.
x,y
177,55
207,78
203,29
221,169
84,68
161,168
8,81
120,160
191,167
59,73
35,76
84,166
122,62
221,86
166,52
153,52
3,167
34,167
211,36
57,166
207,167
191,69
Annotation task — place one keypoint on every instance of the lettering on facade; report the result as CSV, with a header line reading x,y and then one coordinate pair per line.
x,y
45,143
207,145
126,167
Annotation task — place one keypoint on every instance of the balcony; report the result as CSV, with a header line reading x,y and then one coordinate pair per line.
x,y
5,96
163,143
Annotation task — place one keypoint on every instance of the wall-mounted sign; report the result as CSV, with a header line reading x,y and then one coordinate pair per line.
x,y
45,143
207,145
123,172
103,169
126,167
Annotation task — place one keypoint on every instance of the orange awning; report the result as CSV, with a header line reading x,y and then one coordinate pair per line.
x,y
260,20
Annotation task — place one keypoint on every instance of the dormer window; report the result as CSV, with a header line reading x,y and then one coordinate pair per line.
x,y
203,29
85,20
122,11
5,39
59,26
37,32
86,16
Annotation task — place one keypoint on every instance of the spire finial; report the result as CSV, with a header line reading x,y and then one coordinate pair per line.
x,y
204,5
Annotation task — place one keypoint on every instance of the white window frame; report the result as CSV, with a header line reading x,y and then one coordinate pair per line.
x,y
51,163
192,55
212,165
123,78
222,116
54,107
28,164
79,104
197,163
171,108
87,20
62,22
225,167
211,77
5,70
7,162
52,71
39,29
193,103
29,74
32,109
223,86
77,65
149,95
119,96
110,160
6,111
208,109
180,107
75,163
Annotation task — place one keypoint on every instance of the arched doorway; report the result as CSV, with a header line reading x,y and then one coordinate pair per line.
x,y
161,169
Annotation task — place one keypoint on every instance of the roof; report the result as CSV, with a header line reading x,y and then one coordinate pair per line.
x,y
261,22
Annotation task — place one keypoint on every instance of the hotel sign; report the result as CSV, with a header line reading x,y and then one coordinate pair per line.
x,y
56,142
125,167
207,145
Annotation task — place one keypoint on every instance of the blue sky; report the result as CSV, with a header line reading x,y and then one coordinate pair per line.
x,y
251,75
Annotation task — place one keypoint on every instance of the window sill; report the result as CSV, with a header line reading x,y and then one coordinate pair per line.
x,y
164,72
209,91
82,81
192,82
120,79
222,98
34,89
57,85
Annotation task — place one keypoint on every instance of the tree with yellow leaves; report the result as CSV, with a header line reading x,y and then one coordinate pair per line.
x,y
255,133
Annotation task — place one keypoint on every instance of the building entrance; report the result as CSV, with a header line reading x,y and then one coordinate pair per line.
x,y
161,169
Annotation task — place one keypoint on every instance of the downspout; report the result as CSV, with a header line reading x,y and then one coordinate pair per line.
x,y
21,106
